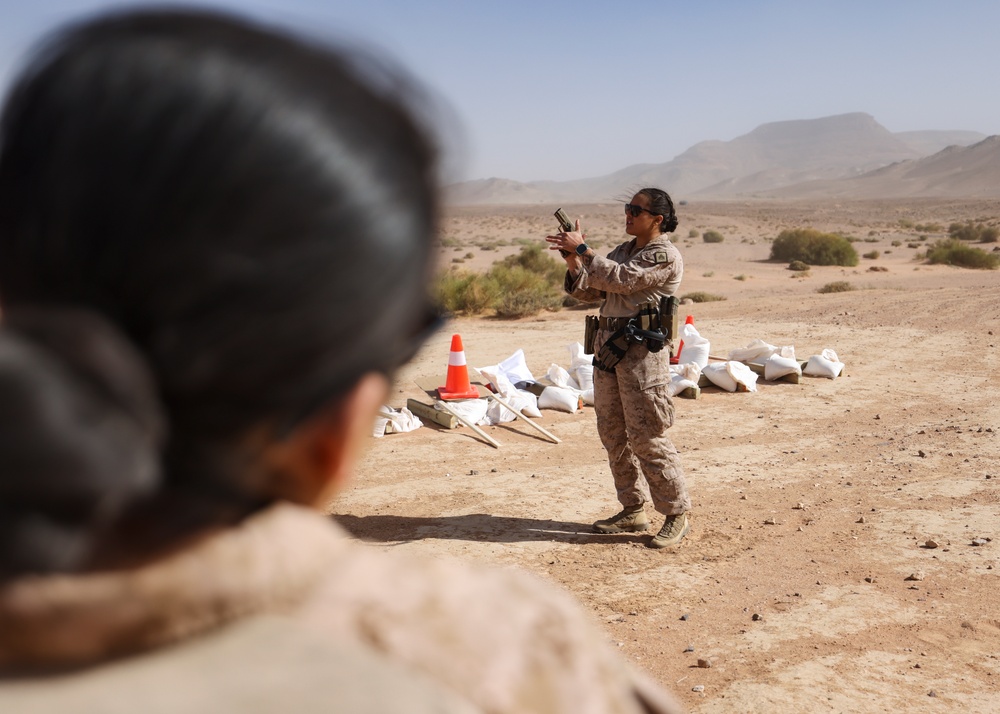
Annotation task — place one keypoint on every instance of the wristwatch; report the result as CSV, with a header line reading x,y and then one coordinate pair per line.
x,y
582,248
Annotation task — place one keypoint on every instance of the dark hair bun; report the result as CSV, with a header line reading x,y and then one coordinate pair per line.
x,y
81,438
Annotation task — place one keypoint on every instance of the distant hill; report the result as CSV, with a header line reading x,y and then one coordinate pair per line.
x,y
955,172
772,156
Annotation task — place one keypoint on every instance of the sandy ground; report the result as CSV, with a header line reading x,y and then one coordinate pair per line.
x,y
806,578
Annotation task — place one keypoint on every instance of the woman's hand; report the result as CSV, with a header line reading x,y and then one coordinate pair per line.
x,y
568,242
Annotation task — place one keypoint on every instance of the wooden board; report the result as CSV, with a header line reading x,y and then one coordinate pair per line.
x,y
431,413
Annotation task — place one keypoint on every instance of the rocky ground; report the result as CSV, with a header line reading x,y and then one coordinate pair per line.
x,y
845,548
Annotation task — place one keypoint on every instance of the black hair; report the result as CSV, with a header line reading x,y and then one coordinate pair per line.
x,y
81,436
661,205
252,211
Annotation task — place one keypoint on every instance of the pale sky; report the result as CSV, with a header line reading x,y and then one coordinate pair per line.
x,y
552,89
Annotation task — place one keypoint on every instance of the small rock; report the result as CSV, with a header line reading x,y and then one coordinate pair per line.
x,y
930,544
493,470
633,613
685,617
979,541
698,688
869,579
473,472
919,575
756,617
743,497
932,693
860,520
689,648
769,522
799,506
921,454
705,663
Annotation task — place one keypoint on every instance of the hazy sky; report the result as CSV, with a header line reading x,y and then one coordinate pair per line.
x,y
552,89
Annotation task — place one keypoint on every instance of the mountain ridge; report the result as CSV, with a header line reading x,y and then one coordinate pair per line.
x,y
771,158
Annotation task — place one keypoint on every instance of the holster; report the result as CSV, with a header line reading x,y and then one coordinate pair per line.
x,y
590,326
613,350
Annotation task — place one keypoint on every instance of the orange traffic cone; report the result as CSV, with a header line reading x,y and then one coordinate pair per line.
x,y
458,386
677,357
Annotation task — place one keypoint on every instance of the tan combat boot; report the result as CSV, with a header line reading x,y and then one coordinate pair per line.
x,y
631,519
674,529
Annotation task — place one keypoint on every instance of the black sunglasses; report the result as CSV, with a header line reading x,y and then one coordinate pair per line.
x,y
634,210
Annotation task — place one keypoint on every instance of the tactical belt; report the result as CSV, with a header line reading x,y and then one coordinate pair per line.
x,y
613,323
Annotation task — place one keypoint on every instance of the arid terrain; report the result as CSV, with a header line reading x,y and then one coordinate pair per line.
x,y
808,580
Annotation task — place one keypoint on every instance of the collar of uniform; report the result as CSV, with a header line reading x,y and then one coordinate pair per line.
x,y
268,563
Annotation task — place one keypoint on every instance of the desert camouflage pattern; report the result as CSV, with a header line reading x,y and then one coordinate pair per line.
x,y
633,407
473,638
629,277
634,412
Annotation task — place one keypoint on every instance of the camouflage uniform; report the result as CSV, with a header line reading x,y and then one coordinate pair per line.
x,y
287,594
633,407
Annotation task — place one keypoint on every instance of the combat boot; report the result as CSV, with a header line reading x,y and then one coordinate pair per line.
x,y
674,529
631,519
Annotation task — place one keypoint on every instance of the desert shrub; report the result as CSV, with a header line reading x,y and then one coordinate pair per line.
x,y
896,243
838,286
871,255
813,247
871,240
954,252
905,223
463,292
974,232
912,245
741,277
712,237
693,233
928,228
470,256
798,265
520,285
701,296
709,274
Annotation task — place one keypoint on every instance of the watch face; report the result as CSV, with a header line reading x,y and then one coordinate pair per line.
x,y
581,249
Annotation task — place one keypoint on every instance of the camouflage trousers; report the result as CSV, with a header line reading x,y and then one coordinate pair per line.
x,y
634,412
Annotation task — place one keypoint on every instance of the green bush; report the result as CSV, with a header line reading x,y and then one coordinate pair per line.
x,y
839,286
928,228
712,237
693,233
701,296
974,232
741,277
520,285
798,266
813,247
954,252
871,255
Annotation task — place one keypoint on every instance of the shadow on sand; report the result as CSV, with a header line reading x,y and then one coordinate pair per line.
x,y
480,527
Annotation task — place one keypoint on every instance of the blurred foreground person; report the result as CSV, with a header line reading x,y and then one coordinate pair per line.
x,y
631,380
214,253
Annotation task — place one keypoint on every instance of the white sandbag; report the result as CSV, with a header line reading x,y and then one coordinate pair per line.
x,y
472,410
524,402
683,376
513,368
559,398
391,421
730,375
578,357
585,376
778,366
825,364
561,378
758,350
588,396
696,347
